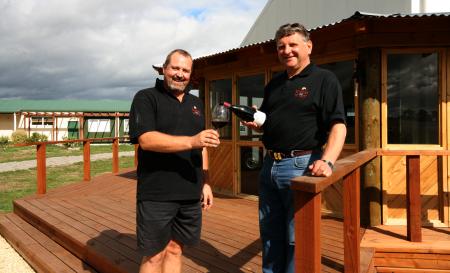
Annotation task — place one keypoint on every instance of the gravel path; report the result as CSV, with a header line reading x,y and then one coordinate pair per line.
x,y
11,261
55,161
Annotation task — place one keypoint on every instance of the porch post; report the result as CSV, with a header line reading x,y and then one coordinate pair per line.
x,y
307,232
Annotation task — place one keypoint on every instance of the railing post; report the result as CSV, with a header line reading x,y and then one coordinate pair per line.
x,y
115,156
413,202
87,160
41,168
352,222
307,232
136,147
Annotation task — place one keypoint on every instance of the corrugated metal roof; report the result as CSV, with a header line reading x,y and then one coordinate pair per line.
x,y
357,15
11,106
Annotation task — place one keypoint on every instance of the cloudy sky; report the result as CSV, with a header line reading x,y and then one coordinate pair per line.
x,y
105,49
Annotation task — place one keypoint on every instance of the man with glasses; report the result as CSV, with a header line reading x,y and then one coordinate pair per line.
x,y
304,132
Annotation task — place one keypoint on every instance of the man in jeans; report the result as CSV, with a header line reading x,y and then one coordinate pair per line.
x,y
305,113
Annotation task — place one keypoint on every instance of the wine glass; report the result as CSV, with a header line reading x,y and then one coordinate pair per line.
x,y
220,116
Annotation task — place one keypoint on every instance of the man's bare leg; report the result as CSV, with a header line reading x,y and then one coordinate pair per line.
x,y
152,264
172,258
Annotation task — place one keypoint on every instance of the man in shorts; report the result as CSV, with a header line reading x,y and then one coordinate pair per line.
x,y
168,123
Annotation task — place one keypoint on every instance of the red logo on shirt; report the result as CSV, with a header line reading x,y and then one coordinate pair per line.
x,y
195,111
301,93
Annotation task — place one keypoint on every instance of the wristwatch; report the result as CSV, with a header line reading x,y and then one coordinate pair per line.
x,y
329,163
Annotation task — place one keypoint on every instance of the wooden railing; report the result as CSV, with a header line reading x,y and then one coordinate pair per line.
x,y
41,172
308,194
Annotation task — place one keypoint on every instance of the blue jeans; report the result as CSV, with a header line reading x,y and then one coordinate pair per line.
x,y
276,211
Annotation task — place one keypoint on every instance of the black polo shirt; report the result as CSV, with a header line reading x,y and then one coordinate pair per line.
x,y
167,176
301,110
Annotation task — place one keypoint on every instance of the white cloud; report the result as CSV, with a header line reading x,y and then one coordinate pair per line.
x,y
54,49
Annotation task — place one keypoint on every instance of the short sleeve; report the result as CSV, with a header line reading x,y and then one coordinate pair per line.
x,y
333,104
142,115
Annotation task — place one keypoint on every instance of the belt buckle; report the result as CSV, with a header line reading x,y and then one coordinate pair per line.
x,y
277,156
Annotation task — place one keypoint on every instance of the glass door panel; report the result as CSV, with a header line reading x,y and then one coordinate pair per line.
x,y
220,91
250,91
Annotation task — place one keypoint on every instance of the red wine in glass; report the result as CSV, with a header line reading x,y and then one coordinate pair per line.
x,y
220,116
219,124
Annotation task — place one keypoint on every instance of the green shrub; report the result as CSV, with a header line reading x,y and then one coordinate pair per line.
x,y
70,144
36,137
19,137
4,140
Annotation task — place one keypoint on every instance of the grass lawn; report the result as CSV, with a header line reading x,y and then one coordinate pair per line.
x,y
29,152
17,184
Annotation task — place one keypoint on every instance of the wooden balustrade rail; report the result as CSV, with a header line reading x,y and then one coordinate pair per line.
x,y
308,192
413,199
41,173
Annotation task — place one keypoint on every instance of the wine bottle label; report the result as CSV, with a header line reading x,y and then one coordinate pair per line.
x,y
259,117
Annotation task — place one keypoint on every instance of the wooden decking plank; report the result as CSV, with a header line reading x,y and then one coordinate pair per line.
x,y
39,257
83,246
215,261
124,211
239,242
70,218
61,253
241,231
412,263
382,269
97,213
241,253
115,232
198,267
125,235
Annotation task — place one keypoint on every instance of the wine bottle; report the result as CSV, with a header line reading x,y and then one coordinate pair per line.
x,y
247,113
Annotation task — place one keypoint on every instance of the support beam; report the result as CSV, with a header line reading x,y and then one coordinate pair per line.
x,y
413,202
41,168
307,232
352,222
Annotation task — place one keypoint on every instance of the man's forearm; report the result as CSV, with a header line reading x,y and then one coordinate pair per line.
x,y
205,166
335,142
164,143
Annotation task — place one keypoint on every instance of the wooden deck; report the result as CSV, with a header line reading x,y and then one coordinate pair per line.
x,y
90,227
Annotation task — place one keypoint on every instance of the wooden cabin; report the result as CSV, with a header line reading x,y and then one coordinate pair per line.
x,y
395,75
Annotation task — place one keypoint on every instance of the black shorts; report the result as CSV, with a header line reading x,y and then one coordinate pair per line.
x,y
159,222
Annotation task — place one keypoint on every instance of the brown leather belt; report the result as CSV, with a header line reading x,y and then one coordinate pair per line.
x,y
294,153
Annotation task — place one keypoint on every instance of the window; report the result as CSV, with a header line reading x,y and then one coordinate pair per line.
x,y
48,120
250,92
37,121
126,128
412,98
99,125
344,73
42,121
220,91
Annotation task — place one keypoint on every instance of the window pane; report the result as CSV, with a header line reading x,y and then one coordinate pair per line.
x,y
99,125
220,91
412,98
48,120
36,121
250,92
344,73
251,163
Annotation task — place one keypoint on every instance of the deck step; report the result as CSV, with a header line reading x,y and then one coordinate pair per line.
x,y
41,252
366,260
94,250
